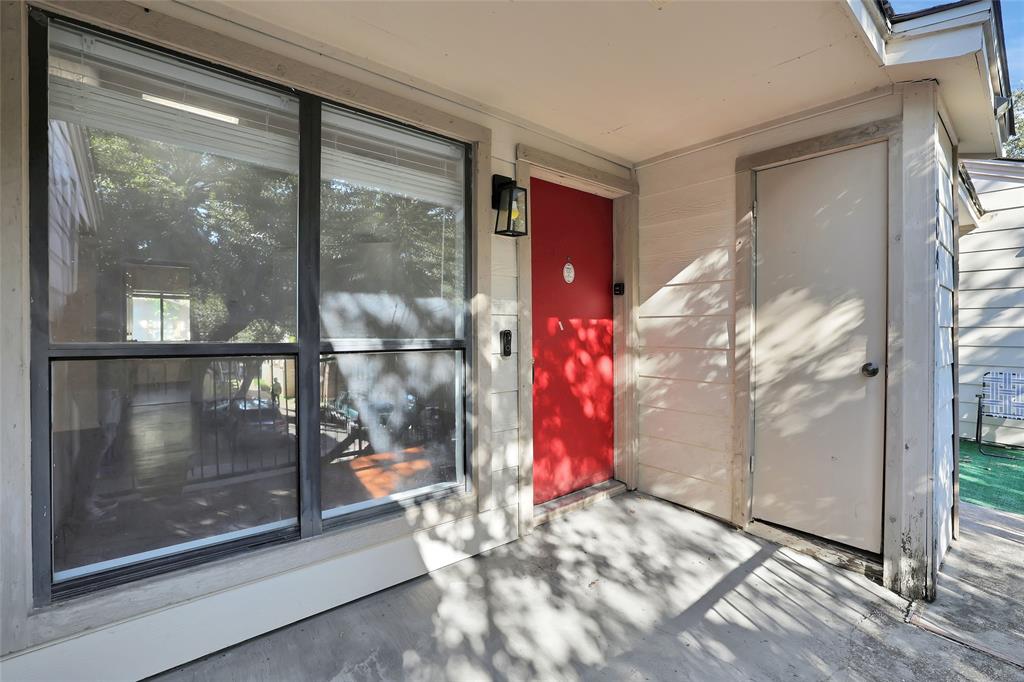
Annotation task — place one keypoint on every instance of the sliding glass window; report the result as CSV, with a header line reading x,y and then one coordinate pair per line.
x,y
168,267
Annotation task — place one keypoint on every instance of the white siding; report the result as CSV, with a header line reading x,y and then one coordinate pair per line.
x,y
687,318
945,284
992,295
504,371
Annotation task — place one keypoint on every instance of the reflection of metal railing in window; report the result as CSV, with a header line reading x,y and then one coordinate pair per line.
x,y
246,425
232,423
388,425
1002,397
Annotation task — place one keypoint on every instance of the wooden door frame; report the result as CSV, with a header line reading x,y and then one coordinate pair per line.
x,y
535,163
890,131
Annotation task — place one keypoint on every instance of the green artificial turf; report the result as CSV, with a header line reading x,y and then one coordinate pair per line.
x,y
990,481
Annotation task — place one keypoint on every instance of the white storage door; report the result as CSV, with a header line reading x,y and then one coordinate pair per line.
x,y
820,316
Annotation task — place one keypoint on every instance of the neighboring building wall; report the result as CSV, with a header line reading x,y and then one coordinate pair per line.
x,y
992,294
687,319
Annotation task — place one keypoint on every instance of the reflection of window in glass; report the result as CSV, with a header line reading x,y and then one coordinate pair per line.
x,y
159,304
158,317
390,424
145,318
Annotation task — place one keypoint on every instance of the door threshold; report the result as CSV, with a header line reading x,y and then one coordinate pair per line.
x,y
580,499
841,556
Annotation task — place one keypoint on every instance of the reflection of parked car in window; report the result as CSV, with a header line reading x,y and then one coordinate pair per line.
x,y
342,410
338,411
256,414
246,417
216,411
329,414
413,424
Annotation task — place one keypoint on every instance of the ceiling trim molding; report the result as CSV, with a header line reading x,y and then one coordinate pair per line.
x,y
838,105
255,31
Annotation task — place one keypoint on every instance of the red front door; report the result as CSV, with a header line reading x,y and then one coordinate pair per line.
x,y
572,339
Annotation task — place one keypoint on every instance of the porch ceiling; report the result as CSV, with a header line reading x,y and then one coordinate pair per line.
x,y
630,79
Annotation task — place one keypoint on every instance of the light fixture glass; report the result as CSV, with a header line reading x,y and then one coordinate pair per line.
x,y
510,203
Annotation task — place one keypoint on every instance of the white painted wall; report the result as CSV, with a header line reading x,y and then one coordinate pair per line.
x,y
504,315
687,318
992,294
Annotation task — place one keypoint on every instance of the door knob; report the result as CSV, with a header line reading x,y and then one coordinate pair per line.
x,y
869,369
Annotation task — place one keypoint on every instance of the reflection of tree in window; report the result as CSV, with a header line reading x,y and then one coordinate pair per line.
x,y
414,242
392,238
231,223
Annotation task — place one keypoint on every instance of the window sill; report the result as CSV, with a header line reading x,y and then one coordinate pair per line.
x,y
75,614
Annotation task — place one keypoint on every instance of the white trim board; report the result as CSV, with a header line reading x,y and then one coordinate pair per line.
x,y
144,646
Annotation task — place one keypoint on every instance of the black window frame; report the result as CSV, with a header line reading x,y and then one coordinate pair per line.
x,y
306,351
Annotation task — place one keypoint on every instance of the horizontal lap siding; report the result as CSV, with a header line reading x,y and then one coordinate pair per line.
x,y
944,419
504,371
991,312
686,326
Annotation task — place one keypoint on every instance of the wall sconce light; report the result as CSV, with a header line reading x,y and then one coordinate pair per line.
x,y
510,202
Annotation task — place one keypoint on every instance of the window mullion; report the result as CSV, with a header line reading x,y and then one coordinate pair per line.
x,y
309,315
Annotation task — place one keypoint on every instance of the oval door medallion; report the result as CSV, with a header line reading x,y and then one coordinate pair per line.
x,y
569,273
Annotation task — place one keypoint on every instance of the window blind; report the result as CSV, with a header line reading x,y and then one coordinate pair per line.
x,y
105,84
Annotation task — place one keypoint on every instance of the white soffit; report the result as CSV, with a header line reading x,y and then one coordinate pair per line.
x,y
955,48
630,79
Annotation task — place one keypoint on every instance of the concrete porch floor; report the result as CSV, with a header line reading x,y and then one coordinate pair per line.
x,y
631,588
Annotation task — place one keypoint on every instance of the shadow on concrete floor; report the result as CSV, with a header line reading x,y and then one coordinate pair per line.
x,y
980,601
631,588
